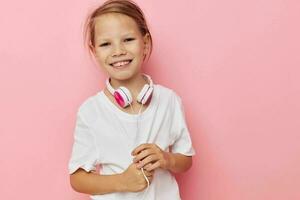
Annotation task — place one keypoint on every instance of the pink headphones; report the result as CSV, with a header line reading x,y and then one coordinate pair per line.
x,y
123,96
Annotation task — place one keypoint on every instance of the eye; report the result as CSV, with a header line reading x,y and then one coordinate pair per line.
x,y
129,39
104,44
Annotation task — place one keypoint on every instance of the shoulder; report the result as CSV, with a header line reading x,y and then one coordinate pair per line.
x,y
88,108
168,94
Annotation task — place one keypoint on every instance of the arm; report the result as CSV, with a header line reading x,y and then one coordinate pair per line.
x,y
131,180
177,162
92,183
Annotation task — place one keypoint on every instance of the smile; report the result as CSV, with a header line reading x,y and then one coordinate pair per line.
x,y
121,63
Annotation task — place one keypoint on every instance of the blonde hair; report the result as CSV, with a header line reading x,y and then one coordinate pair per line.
x,y
126,7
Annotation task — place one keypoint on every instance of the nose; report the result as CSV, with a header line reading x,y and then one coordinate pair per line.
x,y
119,50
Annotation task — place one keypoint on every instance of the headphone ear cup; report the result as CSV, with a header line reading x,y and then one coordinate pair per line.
x,y
123,96
145,94
148,96
142,93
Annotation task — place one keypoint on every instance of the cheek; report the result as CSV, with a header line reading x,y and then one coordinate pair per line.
x,y
101,56
137,49
135,46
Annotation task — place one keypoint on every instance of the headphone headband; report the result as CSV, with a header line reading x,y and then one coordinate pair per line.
x,y
112,90
109,87
122,94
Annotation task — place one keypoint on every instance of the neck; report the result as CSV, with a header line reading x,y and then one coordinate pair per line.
x,y
134,84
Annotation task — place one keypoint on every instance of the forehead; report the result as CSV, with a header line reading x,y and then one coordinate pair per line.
x,y
114,25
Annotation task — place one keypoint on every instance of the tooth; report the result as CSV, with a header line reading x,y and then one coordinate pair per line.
x,y
118,64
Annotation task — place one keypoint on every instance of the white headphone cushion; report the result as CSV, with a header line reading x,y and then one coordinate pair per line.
x,y
147,95
142,94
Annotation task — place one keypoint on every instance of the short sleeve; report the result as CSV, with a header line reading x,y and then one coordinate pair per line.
x,y
84,152
181,136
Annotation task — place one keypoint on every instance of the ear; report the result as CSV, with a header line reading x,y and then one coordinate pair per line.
x,y
146,39
92,49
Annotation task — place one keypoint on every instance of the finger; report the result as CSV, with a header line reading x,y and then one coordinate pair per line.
x,y
147,160
140,148
148,173
147,166
153,166
143,154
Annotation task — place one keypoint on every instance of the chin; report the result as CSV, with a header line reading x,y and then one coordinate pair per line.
x,y
122,76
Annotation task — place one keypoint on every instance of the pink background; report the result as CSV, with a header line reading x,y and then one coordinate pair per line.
x,y
234,63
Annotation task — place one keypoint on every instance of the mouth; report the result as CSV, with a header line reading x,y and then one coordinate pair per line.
x,y
121,64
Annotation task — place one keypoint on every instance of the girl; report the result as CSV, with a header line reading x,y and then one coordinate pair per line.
x,y
134,129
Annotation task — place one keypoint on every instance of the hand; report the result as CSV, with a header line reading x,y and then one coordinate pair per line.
x,y
134,180
151,157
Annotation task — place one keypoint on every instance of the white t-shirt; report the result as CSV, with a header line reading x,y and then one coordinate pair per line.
x,y
106,135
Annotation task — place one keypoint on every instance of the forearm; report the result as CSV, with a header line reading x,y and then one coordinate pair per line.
x,y
178,163
96,184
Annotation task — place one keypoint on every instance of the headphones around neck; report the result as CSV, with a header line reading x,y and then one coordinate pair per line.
x,y
123,96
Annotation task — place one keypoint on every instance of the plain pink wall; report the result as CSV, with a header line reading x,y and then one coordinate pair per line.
x,y
234,63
